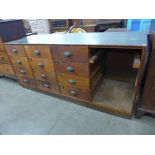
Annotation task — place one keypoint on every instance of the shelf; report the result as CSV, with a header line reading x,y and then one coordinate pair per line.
x,y
148,108
114,94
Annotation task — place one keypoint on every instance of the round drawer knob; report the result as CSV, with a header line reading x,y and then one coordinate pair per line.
x,y
18,62
73,93
67,54
1,57
40,64
26,81
14,50
22,71
43,75
46,85
36,52
71,81
70,69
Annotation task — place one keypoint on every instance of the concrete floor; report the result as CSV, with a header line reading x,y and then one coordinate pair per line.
x,y
25,112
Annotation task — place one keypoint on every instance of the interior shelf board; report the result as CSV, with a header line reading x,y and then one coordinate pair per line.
x,y
115,94
148,108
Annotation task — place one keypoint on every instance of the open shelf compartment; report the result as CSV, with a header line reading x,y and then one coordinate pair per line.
x,y
116,88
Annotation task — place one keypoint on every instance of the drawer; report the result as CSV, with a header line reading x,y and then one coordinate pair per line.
x,y
21,65
16,50
2,48
45,76
76,93
38,51
72,68
27,81
74,81
4,58
70,53
42,65
47,86
6,69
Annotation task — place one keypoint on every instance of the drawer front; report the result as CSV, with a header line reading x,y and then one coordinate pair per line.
x,y
27,81
45,76
42,65
16,50
38,51
21,65
47,86
70,53
76,93
6,69
72,68
73,81
4,58
2,47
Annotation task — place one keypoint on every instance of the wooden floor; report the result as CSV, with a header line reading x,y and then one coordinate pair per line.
x,y
115,94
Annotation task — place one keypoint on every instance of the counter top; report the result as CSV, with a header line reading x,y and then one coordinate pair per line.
x,y
98,38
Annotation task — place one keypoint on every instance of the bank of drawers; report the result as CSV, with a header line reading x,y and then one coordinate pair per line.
x,y
34,66
73,71
57,69
41,62
5,65
21,65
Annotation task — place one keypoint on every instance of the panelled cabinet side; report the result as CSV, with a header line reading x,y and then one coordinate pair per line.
x,y
147,104
140,75
147,98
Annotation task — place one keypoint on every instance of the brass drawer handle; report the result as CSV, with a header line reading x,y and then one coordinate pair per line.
x,y
18,62
70,69
67,54
22,71
1,57
40,64
71,81
14,50
43,75
26,81
73,93
46,85
37,52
